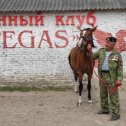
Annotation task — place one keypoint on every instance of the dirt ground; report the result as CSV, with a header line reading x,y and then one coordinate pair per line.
x,y
51,108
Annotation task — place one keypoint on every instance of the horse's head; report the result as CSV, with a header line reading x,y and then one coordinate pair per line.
x,y
86,38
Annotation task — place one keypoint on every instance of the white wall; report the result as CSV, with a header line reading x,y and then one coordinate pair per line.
x,y
49,66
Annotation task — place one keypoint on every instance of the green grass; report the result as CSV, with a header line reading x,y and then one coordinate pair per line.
x,y
27,89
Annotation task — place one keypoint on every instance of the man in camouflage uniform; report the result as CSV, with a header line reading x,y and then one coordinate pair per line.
x,y
111,74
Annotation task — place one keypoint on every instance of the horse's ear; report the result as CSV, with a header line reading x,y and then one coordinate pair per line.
x,y
93,29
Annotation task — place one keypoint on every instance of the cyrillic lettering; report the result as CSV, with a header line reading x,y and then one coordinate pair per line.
x,y
12,19
39,20
31,20
80,20
70,19
59,20
23,21
91,19
3,20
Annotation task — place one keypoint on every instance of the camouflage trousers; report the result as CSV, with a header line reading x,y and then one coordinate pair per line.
x,y
105,96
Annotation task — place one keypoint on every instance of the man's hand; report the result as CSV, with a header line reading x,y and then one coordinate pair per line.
x,y
118,82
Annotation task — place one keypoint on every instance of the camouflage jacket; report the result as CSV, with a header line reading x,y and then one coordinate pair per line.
x,y
115,63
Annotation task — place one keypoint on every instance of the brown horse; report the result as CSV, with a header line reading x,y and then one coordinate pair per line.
x,y
81,62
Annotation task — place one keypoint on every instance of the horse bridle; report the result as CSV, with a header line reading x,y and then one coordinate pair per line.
x,y
85,42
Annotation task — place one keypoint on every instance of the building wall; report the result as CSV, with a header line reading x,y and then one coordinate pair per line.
x,y
34,48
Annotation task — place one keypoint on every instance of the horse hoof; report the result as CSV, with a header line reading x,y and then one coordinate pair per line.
x,y
79,104
76,91
90,101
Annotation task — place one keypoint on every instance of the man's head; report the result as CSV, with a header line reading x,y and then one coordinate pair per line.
x,y
110,43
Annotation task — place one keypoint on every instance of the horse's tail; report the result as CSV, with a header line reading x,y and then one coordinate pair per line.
x,y
69,61
75,74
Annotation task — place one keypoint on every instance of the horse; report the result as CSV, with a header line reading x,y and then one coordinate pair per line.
x,y
80,60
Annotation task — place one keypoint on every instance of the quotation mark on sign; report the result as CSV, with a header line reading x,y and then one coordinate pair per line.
x,y
75,37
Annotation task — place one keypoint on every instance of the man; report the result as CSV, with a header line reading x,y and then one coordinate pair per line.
x,y
111,75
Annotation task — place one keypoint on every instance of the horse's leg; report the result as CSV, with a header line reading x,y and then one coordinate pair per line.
x,y
80,87
75,76
80,92
76,85
89,89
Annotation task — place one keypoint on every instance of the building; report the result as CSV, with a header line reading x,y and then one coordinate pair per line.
x,y
36,37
